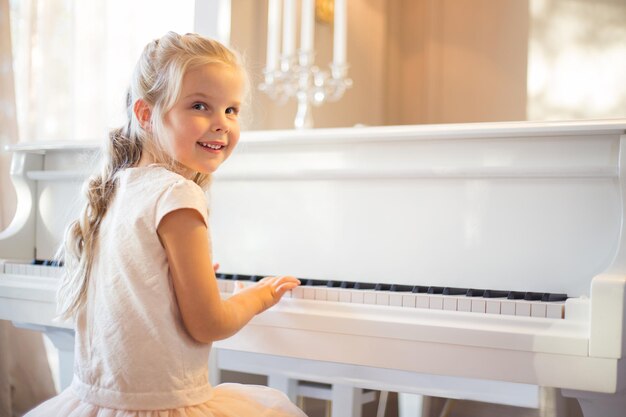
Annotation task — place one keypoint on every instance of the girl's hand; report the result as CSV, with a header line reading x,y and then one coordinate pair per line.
x,y
270,290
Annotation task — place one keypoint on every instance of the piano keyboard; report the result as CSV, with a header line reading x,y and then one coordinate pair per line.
x,y
510,303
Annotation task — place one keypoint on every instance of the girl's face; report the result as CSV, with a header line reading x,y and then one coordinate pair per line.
x,y
203,125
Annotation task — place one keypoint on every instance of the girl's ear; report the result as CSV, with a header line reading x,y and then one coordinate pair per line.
x,y
143,112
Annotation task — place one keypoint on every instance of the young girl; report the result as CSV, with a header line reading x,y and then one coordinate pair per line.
x,y
140,283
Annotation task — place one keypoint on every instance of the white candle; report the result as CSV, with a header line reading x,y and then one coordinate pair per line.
x,y
289,28
340,30
308,26
273,34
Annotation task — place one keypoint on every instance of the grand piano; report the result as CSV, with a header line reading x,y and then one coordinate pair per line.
x,y
439,255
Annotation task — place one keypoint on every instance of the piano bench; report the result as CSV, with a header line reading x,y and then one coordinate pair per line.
x,y
326,392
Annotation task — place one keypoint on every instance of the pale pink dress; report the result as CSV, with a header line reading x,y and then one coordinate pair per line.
x,y
133,354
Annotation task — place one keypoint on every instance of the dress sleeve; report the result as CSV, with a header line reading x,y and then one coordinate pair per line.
x,y
179,195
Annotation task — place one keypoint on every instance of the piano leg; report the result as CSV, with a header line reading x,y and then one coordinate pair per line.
x,y
410,405
285,384
595,404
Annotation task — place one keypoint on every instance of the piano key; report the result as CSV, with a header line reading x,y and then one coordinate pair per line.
x,y
522,309
450,303
474,292
436,303
408,300
332,295
364,286
464,304
492,307
507,307
422,300
538,309
454,291
382,298
555,310
435,290
479,306
395,299
549,297
369,297
533,296
356,297
401,288
495,294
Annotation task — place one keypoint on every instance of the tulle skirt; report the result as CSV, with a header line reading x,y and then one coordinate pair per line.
x,y
228,400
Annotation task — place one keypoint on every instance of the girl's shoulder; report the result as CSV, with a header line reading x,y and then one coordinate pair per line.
x,y
155,175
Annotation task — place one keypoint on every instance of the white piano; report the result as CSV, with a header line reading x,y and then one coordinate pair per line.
x,y
438,258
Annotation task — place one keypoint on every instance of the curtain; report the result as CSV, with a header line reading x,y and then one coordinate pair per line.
x,y
25,377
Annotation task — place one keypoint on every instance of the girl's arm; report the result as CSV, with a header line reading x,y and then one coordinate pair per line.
x,y
206,316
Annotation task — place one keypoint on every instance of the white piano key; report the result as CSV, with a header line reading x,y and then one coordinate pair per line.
x,y
332,295
297,292
522,309
492,307
538,309
555,310
21,269
422,301
449,303
395,300
356,296
321,294
478,306
408,300
345,296
435,303
507,307
382,298
369,297
464,304
308,293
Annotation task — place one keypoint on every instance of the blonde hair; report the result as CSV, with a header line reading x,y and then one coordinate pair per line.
x,y
157,80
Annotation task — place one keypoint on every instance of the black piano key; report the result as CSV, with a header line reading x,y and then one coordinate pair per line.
x,y
549,297
495,294
313,282
516,295
364,286
382,287
474,292
347,284
420,289
256,278
333,284
401,288
454,291
435,290
533,296
241,277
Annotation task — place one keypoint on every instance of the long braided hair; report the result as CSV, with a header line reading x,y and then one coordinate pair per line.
x,y
157,80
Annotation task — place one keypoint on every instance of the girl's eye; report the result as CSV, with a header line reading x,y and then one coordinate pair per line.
x,y
199,106
232,110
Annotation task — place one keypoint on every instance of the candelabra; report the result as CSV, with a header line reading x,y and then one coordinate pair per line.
x,y
293,73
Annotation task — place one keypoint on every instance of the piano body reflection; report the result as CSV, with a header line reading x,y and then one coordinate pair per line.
x,y
470,252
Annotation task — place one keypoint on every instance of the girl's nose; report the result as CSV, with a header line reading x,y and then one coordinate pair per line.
x,y
219,124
